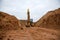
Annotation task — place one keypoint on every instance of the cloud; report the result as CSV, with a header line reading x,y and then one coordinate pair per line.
x,y
37,7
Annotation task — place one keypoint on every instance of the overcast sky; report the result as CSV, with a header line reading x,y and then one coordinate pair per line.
x,y
37,7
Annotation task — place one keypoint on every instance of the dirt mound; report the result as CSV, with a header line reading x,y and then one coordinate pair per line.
x,y
50,20
8,22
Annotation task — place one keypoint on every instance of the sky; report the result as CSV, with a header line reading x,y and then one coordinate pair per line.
x,y
37,8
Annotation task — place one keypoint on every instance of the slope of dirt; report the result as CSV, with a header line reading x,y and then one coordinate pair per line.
x,y
50,20
32,33
8,22
44,34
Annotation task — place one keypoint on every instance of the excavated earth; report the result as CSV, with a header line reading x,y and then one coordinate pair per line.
x,y
32,33
50,20
11,29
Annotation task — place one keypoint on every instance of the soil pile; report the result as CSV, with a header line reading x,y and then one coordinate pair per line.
x,y
8,22
50,20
